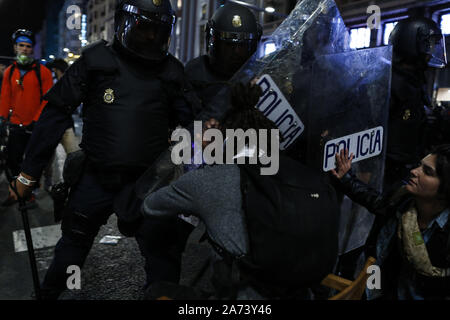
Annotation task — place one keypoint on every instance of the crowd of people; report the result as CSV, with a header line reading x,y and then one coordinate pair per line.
x,y
273,237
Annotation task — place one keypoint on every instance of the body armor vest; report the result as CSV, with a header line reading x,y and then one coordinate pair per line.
x,y
406,118
126,113
205,82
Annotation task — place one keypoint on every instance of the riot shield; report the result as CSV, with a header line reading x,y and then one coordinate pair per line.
x,y
348,108
334,91
316,90
313,28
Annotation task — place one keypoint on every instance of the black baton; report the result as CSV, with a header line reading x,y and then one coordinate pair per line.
x,y
31,256
26,227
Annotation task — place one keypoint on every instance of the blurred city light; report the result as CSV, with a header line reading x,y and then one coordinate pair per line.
x,y
359,38
388,27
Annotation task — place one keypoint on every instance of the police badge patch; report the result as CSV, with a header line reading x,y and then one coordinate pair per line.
x,y
237,21
108,97
157,2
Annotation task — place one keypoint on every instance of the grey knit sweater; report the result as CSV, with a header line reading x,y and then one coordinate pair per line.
x,y
213,194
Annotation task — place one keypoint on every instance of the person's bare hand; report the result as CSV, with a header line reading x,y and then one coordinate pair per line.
x,y
22,191
254,81
211,123
343,163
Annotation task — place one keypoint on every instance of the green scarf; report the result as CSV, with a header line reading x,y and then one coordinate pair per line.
x,y
24,60
414,246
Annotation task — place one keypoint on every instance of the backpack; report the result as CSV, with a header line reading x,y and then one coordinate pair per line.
x,y
292,224
37,70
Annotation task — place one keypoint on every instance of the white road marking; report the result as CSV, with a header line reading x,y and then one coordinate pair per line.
x,y
43,237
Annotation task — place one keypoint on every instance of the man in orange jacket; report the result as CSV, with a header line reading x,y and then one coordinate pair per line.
x,y
24,84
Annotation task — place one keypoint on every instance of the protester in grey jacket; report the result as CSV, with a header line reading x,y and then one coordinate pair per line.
x,y
275,236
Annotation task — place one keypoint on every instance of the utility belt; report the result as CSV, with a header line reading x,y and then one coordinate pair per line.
x,y
113,178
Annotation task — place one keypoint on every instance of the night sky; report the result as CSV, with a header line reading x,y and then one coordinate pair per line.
x,y
15,14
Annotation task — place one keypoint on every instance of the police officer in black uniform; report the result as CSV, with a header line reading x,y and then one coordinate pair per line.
x,y
232,36
132,91
418,44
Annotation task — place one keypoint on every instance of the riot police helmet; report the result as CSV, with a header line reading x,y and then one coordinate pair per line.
x,y
419,40
144,27
232,36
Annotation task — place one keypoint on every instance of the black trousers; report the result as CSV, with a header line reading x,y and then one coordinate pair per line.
x,y
17,143
161,242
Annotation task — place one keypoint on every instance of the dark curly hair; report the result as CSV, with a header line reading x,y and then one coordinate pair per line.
x,y
243,113
442,153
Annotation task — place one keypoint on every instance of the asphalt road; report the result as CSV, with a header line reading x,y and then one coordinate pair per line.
x,y
111,272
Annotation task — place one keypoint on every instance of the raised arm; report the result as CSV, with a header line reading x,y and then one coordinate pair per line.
x,y
355,189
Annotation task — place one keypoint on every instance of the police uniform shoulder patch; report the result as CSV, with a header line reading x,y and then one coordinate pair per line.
x,y
237,21
157,2
108,97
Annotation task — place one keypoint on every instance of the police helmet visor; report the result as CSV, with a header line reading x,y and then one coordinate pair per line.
x,y
146,34
234,54
233,49
435,51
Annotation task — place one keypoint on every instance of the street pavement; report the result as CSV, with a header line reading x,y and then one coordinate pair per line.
x,y
111,271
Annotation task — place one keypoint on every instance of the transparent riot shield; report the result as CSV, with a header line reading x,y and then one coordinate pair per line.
x,y
348,108
313,28
333,92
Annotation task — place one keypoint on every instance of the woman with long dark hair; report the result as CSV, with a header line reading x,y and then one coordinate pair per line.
x,y
411,235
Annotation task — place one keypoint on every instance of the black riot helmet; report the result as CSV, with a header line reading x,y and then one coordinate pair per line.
x,y
232,36
419,41
23,35
144,27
